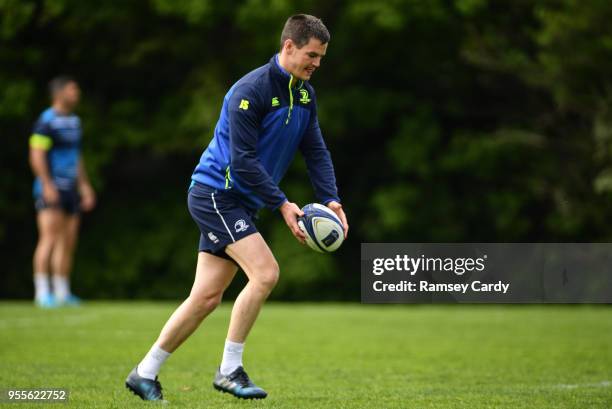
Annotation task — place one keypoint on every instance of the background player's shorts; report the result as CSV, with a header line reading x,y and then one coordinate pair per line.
x,y
69,202
221,217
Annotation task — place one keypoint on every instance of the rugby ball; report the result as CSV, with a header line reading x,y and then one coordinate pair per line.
x,y
323,229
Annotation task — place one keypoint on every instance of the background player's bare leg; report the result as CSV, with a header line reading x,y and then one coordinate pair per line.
x,y
63,252
49,228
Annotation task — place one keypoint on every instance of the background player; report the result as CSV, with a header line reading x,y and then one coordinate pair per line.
x,y
61,191
266,117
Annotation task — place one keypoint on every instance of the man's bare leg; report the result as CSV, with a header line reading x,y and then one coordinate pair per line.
x,y
256,259
213,275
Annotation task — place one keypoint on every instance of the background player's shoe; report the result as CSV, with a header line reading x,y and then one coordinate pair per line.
x,y
46,301
143,387
238,384
71,301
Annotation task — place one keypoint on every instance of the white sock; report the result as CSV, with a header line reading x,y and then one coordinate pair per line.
x,y
152,362
41,285
61,287
232,357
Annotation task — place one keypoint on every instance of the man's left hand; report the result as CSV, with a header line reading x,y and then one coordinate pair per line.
x,y
337,208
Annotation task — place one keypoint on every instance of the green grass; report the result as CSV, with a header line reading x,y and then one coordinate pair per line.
x,y
325,355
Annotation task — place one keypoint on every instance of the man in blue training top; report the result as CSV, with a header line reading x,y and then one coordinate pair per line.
x,y
61,191
266,117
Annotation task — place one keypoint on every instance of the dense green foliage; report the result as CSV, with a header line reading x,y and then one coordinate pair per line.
x,y
464,120
324,355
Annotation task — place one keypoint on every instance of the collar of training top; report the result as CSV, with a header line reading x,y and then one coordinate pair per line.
x,y
282,73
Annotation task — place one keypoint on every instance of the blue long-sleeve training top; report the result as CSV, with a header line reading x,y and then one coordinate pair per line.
x,y
263,122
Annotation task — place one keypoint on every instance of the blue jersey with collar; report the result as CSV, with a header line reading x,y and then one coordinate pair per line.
x,y
263,123
60,136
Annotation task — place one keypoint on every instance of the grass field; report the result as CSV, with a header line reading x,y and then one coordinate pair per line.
x,y
324,355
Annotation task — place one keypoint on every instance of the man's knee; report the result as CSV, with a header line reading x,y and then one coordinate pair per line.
x,y
212,301
267,275
205,303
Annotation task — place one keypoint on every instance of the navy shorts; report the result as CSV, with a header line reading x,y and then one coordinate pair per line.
x,y
221,217
69,202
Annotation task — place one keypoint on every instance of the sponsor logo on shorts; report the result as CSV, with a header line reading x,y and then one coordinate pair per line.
x,y
240,225
213,238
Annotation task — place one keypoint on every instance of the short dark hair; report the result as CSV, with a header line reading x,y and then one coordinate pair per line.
x,y
300,28
58,83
